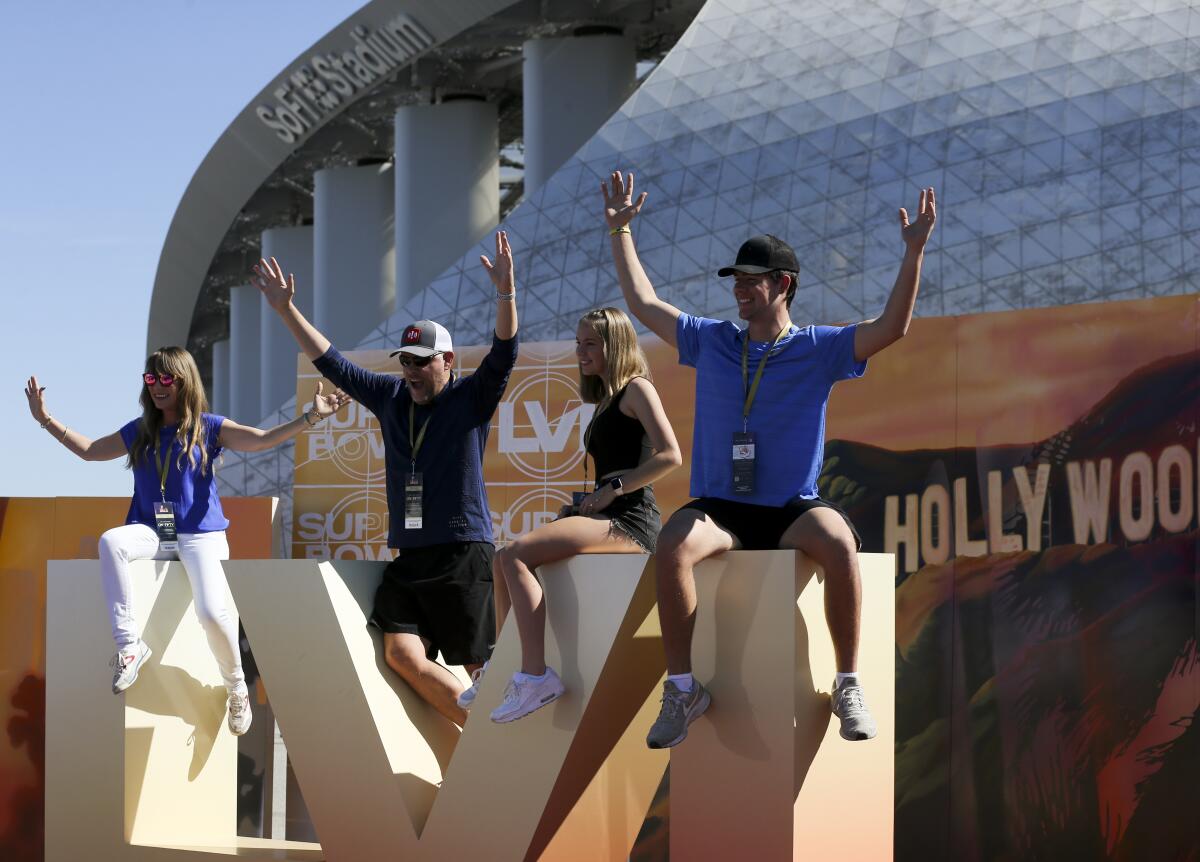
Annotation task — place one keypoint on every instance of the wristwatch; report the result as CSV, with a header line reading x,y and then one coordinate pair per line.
x,y
615,484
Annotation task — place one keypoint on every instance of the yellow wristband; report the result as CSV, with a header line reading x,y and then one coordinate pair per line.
x,y
621,229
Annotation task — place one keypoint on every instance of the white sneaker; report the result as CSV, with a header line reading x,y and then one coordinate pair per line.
x,y
525,696
240,715
467,698
849,706
126,664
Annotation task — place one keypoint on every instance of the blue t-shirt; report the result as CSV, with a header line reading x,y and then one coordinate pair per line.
x,y
197,505
788,413
450,460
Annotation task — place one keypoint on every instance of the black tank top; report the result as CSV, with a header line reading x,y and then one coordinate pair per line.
x,y
616,441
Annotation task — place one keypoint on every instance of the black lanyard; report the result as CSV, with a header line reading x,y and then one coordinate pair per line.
x,y
420,438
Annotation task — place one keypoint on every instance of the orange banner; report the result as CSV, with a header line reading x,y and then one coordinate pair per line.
x,y
534,457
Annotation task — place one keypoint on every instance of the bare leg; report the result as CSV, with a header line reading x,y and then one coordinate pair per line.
x,y
688,537
554,541
499,594
405,654
823,535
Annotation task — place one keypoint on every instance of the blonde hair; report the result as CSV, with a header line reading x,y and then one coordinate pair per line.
x,y
190,402
623,356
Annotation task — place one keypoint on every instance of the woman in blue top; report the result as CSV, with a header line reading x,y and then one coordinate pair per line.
x,y
175,512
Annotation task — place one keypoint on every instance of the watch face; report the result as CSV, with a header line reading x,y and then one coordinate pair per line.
x,y
615,484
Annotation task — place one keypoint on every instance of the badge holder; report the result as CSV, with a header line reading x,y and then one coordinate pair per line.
x,y
743,462
164,525
413,487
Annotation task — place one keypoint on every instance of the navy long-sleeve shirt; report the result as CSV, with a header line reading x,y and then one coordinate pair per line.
x,y
455,504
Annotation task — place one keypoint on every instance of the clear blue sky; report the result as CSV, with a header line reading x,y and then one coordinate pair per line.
x,y
110,108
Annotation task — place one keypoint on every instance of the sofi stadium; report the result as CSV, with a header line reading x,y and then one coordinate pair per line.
x,y
1040,427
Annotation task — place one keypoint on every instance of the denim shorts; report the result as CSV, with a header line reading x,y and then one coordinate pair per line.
x,y
636,517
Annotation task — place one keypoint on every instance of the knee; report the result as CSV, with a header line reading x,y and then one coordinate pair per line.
x,y
110,544
673,552
403,659
838,557
503,560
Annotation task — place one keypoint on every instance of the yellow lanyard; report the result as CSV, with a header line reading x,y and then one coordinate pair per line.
x,y
420,438
762,364
163,466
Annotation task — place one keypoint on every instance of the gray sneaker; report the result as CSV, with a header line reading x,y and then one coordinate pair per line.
x,y
126,664
467,698
679,709
240,715
849,706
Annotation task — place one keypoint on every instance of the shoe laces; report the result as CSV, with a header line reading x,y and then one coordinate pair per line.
x,y
238,704
850,699
476,675
121,660
513,692
672,703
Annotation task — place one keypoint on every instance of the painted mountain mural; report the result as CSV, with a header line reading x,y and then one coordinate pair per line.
x,y
1048,676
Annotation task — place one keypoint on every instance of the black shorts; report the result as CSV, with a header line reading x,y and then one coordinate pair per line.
x,y
444,594
759,528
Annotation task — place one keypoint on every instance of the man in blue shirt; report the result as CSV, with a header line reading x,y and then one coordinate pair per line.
x,y
436,595
759,442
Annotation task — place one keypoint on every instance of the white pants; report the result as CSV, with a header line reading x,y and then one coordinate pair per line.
x,y
201,555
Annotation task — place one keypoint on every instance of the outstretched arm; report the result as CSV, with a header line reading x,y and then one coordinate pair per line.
x,y
246,438
872,336
619,209
501,273
279,291
103,449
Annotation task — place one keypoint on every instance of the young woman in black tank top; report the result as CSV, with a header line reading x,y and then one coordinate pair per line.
x,y
632,444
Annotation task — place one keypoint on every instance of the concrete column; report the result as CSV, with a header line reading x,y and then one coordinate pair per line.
x,y
245,367
354,269
571,87
447,187
219,400
293,248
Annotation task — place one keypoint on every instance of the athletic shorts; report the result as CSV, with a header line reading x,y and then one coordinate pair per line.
x,y
444,594
760,528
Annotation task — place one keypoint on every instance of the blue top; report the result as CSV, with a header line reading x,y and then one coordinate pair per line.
x,y
788,413
455,503
197,506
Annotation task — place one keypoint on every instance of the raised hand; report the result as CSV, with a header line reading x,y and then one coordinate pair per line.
x,y
915,235
270,280
501,272
37,403
327,405
619,208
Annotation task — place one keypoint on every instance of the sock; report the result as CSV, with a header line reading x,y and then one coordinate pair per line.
x,y
840,678
529,677
683,681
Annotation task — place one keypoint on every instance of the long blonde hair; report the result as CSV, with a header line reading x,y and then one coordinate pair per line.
x,y
190,402
623,356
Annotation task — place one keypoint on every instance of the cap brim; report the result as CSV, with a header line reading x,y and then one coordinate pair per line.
x,y
746,268
415,351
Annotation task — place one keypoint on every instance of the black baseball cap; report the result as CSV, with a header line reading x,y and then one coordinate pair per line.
x,y
760,254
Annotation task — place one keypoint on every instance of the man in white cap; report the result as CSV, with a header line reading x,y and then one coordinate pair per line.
x,y
436,595
759,442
